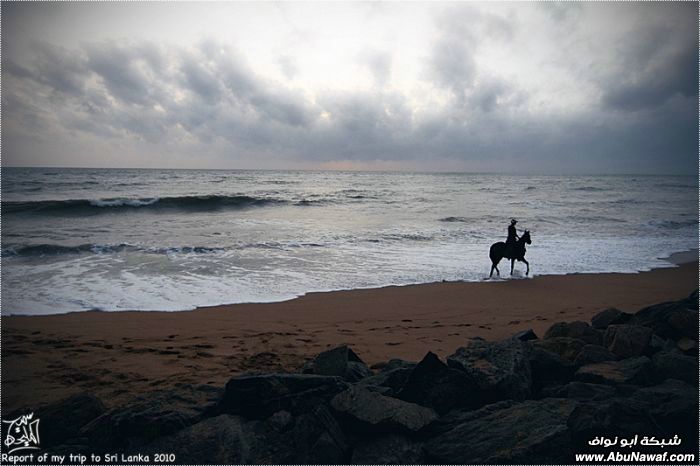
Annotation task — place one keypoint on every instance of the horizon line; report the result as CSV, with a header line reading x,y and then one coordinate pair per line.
x,y
437,172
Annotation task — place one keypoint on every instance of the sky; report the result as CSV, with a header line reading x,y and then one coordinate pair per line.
x,y
541,87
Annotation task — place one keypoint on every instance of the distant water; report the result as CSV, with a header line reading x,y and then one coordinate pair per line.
x,y
75,239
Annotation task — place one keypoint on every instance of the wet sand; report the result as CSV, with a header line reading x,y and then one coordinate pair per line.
x,y
118,355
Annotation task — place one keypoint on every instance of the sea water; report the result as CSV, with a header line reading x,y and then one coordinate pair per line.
x,y
117,239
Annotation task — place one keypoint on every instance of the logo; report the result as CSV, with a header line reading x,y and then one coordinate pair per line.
x,y
22,433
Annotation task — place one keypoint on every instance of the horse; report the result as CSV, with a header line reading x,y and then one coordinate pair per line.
x,y
498,250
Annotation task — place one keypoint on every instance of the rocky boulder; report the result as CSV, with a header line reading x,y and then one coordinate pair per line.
x,y
591,354
63,420
675,365
548,368
673,320
150,416
666,409
435,385
362,410
318,438
259,396
628,341
501,370
635,371
674,407
396,364
339,362
579,330
581,391
525,335
533,432
225,439
611,417
610,316
566,347
688,346
312,438
387,382
388,449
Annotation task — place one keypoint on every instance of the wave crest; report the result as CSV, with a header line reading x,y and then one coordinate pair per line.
x,y
95,206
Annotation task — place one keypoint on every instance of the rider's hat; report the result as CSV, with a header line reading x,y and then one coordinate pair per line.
x,y
513,221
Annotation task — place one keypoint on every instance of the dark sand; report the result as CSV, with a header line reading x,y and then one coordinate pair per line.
x,y
117,355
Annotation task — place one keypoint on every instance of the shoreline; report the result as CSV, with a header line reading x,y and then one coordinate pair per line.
x,y
675,259
118,355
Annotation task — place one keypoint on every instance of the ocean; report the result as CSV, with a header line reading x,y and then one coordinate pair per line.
x,y
136,239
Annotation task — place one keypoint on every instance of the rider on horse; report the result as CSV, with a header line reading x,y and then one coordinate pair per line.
x,y
512,237
513,249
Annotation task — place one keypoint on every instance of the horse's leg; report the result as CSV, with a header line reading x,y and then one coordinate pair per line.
x,y
512,264
494,265
527,272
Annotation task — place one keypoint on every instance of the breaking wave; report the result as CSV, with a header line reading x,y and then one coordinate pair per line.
x,y
96,206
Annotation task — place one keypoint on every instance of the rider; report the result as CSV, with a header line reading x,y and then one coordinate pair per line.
x,y
512,237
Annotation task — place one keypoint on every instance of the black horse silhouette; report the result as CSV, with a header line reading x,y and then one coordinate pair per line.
x,y
517,252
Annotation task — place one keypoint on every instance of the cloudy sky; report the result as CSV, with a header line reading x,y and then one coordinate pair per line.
x,y
505,87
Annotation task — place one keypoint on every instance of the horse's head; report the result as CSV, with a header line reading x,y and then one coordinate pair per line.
x,y
526,237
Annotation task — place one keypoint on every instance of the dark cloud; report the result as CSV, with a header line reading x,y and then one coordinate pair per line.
x,y
125,72
205,98
452,63
657,63
200,79
56,67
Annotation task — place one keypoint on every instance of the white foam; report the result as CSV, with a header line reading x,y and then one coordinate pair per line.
x,y
123,202
134,280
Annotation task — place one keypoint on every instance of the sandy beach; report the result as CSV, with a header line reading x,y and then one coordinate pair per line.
x,y
117,355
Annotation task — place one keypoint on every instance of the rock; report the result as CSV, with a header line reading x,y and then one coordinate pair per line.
x,y
388,449
387,382
259,396
281,420
667,409
673,320
226,439
318,438
579,330
674,407
674,365
397,364
610,316
591,354
567,348
364,410
687,345
339,362
657,344
500,369
312,438
623,417
628,341
548,368
433,384
150,416
583,391
636,371
525,335
532,432
62,420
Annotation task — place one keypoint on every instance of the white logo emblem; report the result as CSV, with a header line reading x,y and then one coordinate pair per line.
x,y
22,433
